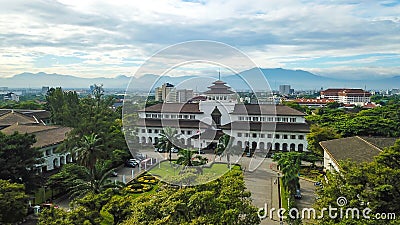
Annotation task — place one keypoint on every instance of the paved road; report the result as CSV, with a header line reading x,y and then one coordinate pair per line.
x,y
308,196
263,187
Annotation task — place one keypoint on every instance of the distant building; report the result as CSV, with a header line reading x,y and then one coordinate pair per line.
x,y
313,102
184,95
284,89
45,89
356,149
347,96
3,88
11,96
165,93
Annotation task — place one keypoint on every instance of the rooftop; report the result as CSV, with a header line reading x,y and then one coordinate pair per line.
x,y
192,108
45,135
356,149
265,109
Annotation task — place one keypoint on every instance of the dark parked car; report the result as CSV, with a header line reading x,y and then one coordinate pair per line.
x,y
318,184
131,163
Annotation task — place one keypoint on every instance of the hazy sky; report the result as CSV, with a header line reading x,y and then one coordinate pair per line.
x,y
86,38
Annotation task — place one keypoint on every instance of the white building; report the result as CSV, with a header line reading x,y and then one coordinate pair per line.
x,y
252,126
48,138
11,96
347,96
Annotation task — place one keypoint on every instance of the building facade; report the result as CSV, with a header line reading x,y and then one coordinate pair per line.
x,y
347,96
250,126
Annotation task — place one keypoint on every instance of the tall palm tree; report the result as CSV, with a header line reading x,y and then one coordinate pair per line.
x,y
95,181
89,150
289,163
166,140
224,147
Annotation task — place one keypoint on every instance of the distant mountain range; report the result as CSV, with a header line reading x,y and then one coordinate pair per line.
x,y
298,79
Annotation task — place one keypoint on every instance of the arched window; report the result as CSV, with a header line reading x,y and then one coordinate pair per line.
x,y
277,147
269,146
262,145
284,147
143,140
300,148
292,147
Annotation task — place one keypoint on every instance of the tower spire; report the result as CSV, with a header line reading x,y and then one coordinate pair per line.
x,y
219,74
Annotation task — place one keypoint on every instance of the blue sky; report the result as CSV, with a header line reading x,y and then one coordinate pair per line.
x,y
357,39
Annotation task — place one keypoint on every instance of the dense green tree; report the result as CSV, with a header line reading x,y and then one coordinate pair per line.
x,y
13,202
18,158
374,185
318,134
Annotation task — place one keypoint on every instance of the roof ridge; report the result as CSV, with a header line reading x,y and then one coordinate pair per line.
x,y
372,145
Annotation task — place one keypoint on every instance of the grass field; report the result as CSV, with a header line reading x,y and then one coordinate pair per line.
x,y
167,169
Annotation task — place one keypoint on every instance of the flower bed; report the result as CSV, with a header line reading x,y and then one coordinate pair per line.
x,y
147,180
139,188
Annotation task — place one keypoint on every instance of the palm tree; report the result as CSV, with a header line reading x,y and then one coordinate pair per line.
x,y
289,164
186,158
88,151
166,140
95,181
224,147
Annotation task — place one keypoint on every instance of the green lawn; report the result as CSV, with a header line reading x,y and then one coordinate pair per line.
x,y
165,169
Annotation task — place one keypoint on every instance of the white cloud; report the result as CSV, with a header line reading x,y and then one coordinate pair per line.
x,y
106,35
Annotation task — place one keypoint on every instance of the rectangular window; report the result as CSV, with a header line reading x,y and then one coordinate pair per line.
x,y
148,115
277,136
255,118
269,135
246,134
262,119
186,117
180,116
192,117
143,131
293,120
262,135
166,116
285,136
254,135
173,116
155,131
292,136
270,119
149,131
241,118
189,132
239,135
182,132
301,137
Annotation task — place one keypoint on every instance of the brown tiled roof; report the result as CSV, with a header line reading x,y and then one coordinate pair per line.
x,y
173,108
263,126
195,124
45,135
380,142
265,109
354,149
12,117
